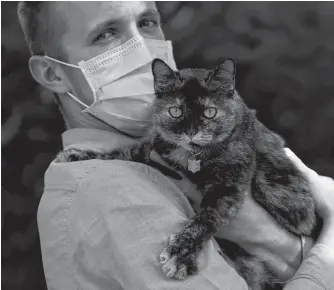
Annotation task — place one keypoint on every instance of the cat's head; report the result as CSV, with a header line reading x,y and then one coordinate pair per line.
x,y
194,108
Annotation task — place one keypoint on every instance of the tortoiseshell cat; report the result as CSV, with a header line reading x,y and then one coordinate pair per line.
x,y
202,127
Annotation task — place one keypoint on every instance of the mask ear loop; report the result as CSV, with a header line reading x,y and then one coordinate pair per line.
x,y
61,62
71,65
76,99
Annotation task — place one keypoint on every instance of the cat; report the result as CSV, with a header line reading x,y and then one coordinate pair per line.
x,y
202,127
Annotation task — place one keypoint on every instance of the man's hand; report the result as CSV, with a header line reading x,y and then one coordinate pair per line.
x,y
322,188
254,230
323,193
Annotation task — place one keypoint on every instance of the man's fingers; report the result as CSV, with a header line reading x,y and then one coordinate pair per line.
x,y
301,166
283,271
321,186
311,174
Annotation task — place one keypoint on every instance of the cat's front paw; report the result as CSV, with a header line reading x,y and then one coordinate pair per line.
x,y
178,260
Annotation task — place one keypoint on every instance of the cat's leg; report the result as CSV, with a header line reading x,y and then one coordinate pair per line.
x,y
179,258
284,192
139,152
223,186
70,155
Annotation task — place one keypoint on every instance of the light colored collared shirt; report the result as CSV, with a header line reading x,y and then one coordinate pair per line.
x,y
102,225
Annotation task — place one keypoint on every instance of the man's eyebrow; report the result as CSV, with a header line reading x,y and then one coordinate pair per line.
x,y
102,25
98,27
150,12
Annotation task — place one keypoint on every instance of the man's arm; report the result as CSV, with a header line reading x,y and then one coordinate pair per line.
x,y
127,211
316,272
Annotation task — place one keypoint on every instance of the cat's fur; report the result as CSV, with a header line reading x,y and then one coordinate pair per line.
x,y
237,154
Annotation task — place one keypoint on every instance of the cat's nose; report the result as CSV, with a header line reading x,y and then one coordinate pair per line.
x,y
194,145
194,142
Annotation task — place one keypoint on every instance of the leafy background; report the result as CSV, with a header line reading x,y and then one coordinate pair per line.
x,y
285,70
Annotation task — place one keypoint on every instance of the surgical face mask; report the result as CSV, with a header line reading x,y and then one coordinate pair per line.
x,y
122,83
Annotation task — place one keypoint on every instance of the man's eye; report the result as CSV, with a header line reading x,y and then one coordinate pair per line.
x,y
105,35
148,23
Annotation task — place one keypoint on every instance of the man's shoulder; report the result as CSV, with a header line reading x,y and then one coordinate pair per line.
x,y
72,174
80,184
107,183
105,186
123,178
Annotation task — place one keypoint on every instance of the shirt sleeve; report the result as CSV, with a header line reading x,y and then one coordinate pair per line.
x,y
316,272
127,211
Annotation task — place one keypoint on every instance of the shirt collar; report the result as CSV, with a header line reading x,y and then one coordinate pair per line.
x,y
95,139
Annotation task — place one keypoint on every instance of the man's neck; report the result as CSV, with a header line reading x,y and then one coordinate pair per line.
x,y
75,118
86,121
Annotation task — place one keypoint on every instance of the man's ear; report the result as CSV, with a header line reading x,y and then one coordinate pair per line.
x,y
164,77
48,74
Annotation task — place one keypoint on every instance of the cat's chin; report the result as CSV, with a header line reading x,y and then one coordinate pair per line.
x,y
193,149
186,147
196,147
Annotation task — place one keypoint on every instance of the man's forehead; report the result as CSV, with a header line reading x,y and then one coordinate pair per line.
x,y
89,14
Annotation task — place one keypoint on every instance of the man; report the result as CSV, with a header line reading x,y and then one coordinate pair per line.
x,y
103,223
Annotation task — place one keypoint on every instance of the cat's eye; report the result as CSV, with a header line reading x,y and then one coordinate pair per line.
x,y
210,112
175,112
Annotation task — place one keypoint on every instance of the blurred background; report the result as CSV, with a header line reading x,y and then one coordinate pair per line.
x,y
285,70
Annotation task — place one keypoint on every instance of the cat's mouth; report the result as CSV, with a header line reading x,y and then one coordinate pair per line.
x,y
195,145
192,147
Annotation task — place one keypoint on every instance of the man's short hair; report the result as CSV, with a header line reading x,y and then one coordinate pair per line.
x,y
38,30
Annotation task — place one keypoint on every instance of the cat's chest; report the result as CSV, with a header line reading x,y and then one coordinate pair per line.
x,y
178,156
181,158
184,160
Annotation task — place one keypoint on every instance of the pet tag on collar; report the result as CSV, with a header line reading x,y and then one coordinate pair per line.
x,y
194,165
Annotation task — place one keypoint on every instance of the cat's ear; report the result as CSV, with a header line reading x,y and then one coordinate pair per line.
x,y
228,66
164,77
223,76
